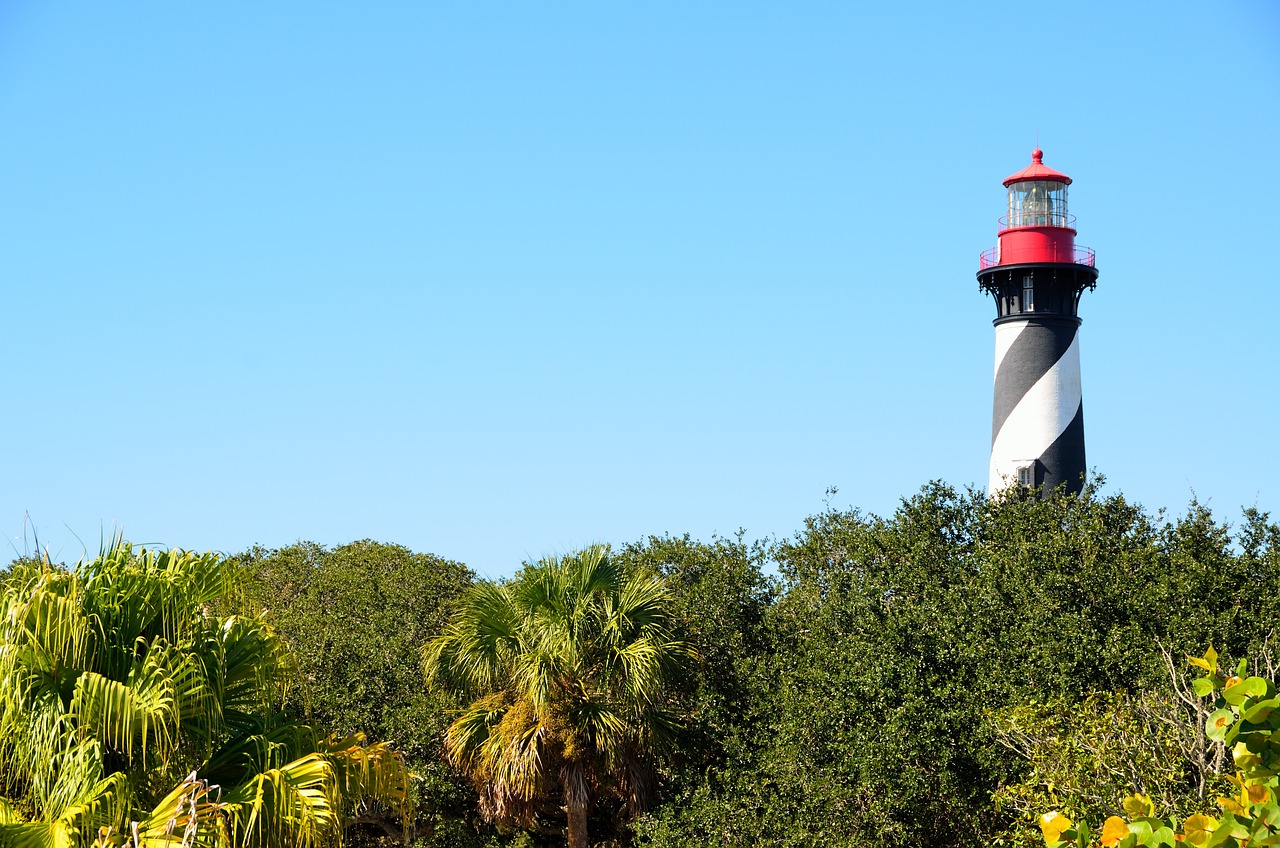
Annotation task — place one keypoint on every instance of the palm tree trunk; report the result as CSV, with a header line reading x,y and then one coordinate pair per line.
x,y
578,826
577,803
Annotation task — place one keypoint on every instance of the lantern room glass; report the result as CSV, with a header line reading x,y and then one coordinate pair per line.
x,y
1038,203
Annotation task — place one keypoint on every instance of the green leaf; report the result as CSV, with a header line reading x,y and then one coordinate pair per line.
x,y
1218,723
1252,687
1261,710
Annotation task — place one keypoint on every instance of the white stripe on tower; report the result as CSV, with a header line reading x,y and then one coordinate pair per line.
x,y
1005,336
1041,415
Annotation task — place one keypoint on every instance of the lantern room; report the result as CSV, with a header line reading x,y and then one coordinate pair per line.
x,y
1037,227
1037,203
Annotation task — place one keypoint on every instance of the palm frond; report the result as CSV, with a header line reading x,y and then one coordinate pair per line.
x,y
474,651
297,804
9,813
271,744
131,718
255,666
369,774
102,806
44,627
40,834
190,816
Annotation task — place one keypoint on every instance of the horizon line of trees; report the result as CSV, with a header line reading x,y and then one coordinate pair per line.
x,y
942,675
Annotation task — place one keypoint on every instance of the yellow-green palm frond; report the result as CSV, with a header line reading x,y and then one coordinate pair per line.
x,y
272,744
538,672
33,729
39,834
513,754
9,813
146,594
44,627
133,718
297,804
465,737
104,804
73,771
190,816
602,726
254,667
498,743
368,774
592,571
294,805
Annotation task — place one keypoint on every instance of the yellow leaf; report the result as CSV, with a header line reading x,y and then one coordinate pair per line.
x,y
1209,662
1198,828
1138,805
1053,824
1257,793
1113,831
1243,757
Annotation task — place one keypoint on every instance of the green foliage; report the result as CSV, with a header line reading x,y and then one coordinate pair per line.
x,y
866,719
927,677
720,596
129,714
355,617
569,663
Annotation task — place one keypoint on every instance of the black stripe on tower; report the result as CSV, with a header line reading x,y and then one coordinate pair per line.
x,y
1036,350
1064,463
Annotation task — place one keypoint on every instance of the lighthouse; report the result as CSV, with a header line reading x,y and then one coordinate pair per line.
x,y
1036,275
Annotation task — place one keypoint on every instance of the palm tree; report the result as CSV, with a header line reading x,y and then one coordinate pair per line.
x,y
569,661
131,717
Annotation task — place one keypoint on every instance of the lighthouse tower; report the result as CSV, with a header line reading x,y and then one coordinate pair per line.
x,y
1036,275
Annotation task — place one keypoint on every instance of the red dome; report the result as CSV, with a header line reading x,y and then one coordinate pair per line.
x,y
1038,171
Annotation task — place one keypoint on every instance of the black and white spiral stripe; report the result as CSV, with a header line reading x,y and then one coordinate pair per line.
x,y
1038,418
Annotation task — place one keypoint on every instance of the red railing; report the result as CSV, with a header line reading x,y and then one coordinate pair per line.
x,y
991,257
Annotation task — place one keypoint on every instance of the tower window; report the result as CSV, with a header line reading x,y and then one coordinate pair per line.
x,y
1028,294
1027,476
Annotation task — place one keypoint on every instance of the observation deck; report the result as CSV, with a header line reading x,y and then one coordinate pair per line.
x,y
1079,255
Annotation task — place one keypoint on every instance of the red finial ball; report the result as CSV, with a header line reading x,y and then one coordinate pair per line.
x,y
1037,156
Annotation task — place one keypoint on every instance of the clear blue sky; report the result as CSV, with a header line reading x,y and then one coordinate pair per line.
x,y
496,280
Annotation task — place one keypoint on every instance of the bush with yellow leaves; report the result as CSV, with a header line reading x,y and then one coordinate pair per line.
x,y
1246,719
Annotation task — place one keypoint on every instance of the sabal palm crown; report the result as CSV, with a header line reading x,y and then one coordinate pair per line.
x,y
570,661
130,716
